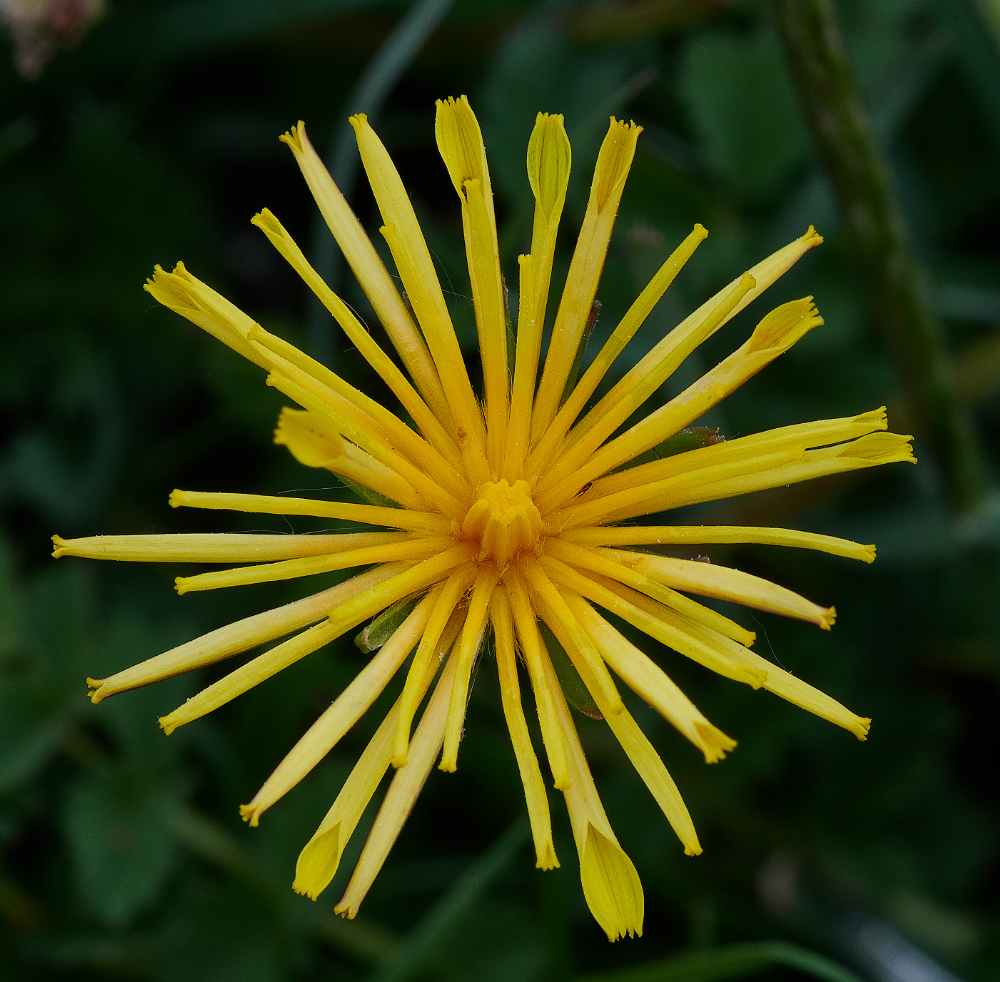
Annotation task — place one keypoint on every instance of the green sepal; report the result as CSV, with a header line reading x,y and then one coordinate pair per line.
x,y
384,626
690,438
577,694
372,497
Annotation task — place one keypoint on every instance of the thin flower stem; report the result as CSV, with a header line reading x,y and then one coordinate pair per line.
x,y
895,283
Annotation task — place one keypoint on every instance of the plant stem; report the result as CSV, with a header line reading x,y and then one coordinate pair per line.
x,y
894,280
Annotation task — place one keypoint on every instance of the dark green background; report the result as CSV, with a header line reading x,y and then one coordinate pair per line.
x,y
155,139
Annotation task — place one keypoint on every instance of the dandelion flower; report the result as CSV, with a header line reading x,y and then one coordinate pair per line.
x,y
512,512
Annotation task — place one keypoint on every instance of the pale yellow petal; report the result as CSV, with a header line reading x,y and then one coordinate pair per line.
x,y
370,273
610,882
344,712
263,504
399,800
535,797
465,656
240,636
613,164
318,862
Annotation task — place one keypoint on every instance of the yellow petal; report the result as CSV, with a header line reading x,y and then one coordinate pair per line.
x,y
345,711
391,551
263,504
621,336
613,164
318,862
602,535
213,547
451,593
369,271
535,659
465,655
240,636
358,336
644,677
549,161
611,885
200,304
527,762
402,794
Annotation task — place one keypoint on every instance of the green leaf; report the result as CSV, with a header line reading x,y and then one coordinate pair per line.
x,y
743,107
738,961
118,827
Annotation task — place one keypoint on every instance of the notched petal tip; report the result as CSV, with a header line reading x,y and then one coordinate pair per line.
x,y
460,142
714,743
318,863
168,723
60,546
785,325
251,814
94,687
827,618
613,163
296,138
861,728
545,858
811,238
611,886
310,438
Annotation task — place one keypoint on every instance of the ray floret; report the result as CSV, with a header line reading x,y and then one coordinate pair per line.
x,y
504,524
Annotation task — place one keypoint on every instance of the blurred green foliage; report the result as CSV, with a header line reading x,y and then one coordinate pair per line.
x,y
155,139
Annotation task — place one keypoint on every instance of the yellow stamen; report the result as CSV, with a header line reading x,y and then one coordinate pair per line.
x,y
505,522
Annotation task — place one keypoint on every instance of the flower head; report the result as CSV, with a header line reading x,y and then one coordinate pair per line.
x,y
512,514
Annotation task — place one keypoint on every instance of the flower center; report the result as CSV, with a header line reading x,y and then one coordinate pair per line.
x,y
505,520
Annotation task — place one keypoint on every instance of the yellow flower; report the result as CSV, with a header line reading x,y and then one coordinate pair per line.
x,y
511,514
